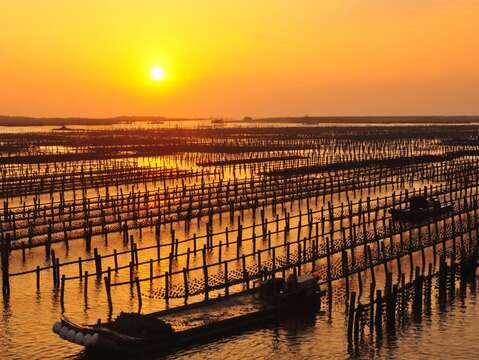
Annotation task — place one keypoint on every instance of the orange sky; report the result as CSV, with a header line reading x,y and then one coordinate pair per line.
x,y
239,58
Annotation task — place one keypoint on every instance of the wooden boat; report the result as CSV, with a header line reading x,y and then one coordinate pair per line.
x,y
421,208
172,329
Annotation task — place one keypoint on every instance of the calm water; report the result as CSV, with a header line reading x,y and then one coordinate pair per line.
x,y
451,334
27,319
197,124
448,335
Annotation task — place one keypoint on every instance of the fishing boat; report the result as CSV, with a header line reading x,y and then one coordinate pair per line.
x,y
217,122
421,208
62,128
172,329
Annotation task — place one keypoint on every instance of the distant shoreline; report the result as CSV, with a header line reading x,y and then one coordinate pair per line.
x,y
460,119
17,121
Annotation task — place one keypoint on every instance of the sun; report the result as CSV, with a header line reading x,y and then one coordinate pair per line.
x,y
157,73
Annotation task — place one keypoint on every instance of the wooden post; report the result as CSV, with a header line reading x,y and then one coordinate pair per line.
x,y
378,316
185,283
167,287
138,292
38,277
106,280
352,307
205,275
371,307
62,292
357,318
328,271
115,257
227,291
86,289
151,270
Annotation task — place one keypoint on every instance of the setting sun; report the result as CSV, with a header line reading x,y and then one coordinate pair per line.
x,y
157,73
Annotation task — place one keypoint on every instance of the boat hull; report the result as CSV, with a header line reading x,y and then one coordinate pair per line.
x,y
417,215
105,342
99,339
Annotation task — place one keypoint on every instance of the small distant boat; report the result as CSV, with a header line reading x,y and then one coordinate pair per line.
x,y
421,208
172,329
62,128
218,121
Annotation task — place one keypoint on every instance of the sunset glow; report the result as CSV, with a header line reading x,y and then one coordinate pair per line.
x,y
239,58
